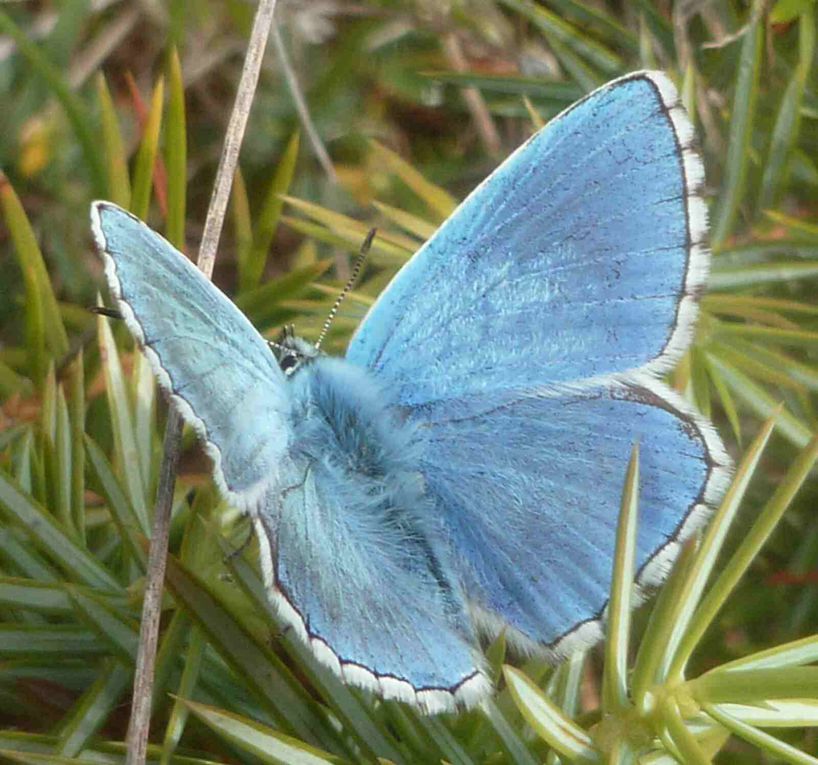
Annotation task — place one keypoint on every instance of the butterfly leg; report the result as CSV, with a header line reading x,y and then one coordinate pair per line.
x,y
270,524
284,493
242,547
101,310
300,485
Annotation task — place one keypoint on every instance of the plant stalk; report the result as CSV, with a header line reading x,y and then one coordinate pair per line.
x,y
139,725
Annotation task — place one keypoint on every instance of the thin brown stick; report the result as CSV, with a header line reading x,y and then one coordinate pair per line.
x,y
486,128
139,725
235,134
320,151
301,107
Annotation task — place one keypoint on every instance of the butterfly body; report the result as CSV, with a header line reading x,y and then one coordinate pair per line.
x,y
345,429
459,472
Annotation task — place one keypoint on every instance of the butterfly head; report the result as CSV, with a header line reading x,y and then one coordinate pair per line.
x,y
292,352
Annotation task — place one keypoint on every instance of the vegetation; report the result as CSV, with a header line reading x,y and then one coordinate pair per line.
x,y
415,103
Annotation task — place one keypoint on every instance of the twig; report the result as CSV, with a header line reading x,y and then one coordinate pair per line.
x,y
341,258
107,39
44,25
473,98
262,25
139,725
301,107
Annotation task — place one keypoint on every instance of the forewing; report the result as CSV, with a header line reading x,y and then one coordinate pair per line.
x,y
530,491
204,352
581,256
366,596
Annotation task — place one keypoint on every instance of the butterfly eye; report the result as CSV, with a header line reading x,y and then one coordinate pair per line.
x,y
289,363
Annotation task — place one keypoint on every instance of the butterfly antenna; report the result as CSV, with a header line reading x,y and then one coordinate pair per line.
x,y
287,331
356,270
101,310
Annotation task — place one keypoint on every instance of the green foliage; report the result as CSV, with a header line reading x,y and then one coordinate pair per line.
x,y
725,656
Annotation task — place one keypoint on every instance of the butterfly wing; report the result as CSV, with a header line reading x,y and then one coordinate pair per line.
x,y
370,596
581,256
203,350
367,596
529,490
526,339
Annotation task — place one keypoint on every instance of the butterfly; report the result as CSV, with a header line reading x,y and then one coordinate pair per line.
x,y
458,473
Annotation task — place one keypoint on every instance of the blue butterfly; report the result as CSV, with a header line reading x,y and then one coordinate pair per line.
x,y
459,472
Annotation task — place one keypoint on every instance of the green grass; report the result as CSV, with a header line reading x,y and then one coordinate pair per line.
x,y
722,665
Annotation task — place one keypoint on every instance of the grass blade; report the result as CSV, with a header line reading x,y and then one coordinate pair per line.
x,y
127,520
786,130
749,686
777,748
512,741
411,223
804,651
49,642
750,545
555,28
561,733
650,656
93,708
187,685
76,410
242,219
118,633
75,110
252,269
260,302
42,312
264,744
350,239
761,274
760,401
797,337
741,128
679,647
61,464
344,224
251,659
726,400
615,677
176,153
128,455
683,739
51,538
118,180
776,713
146,156
142,386
438,200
